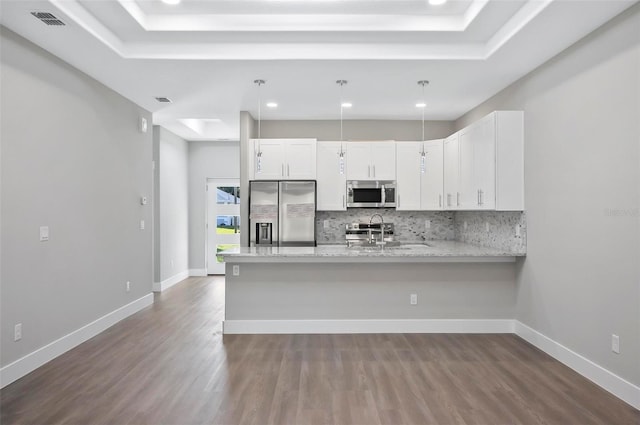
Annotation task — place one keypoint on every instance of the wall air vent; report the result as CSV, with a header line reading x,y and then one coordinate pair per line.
x,y
48,18
163,99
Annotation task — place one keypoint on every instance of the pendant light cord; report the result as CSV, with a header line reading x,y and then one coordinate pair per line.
x,y
341,83
259,83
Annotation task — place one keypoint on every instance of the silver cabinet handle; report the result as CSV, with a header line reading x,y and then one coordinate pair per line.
x,y
480,197
288,171
282,170
374,171
440,201
344,201
398,202
368,170
448,199
457,199
479,201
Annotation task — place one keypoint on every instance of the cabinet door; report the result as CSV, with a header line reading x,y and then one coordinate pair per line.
x,y
408,176
300,161
383,160
331,177
269,160
466,198
484,163
451,171
358,161
432,174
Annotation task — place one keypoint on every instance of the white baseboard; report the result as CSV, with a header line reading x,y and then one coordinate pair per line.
x,y
366,326
611,382
34,360
197,272
168,283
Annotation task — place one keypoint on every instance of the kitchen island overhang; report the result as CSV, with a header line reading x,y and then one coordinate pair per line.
x,y
335,289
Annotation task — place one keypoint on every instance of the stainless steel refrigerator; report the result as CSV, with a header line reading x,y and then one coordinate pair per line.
x,y
282,213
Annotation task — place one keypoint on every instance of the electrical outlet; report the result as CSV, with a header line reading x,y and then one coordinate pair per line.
x,y
325,224
464,224
141,224
615,343
17,332
518,229
427,224
413,299
128,286
236,270
486,226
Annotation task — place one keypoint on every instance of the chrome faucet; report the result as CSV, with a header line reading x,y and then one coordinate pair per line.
x,y
381,229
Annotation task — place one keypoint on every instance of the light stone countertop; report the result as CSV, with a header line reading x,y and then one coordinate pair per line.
x,y
437,251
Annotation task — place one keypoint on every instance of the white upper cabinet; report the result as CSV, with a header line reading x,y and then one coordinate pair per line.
x,y
432,173
331,176
484,166
408,175
290,159
371,160
508,127
451,172
419,175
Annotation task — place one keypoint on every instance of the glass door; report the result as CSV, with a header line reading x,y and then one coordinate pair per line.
x,y
223,221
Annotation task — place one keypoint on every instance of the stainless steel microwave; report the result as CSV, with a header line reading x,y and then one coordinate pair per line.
x,y
371,193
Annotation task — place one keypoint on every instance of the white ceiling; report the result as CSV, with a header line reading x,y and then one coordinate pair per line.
x,y
205,54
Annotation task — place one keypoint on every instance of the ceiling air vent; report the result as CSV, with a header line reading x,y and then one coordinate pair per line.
x,y
163,99
48,18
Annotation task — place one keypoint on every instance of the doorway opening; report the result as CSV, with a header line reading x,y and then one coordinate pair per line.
x,y
223,220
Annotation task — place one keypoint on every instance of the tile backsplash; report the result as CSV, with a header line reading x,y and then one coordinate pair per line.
x,y
410,226
501,233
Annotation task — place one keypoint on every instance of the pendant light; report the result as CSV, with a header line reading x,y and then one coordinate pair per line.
x,y
423,105
259,83
342,106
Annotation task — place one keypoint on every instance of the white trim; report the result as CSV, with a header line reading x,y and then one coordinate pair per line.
x,y
367,326
611,382
34,360
197,272
168,283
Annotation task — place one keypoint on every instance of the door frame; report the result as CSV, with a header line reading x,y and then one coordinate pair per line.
x,y
215,182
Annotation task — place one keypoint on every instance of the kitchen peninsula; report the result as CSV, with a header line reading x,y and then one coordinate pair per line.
x,y
443,286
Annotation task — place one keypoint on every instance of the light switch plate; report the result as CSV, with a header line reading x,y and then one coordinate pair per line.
x,y
143,124
427,224
141,224
44,233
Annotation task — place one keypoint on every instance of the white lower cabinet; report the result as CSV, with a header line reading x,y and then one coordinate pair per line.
x,y
331,176
419,174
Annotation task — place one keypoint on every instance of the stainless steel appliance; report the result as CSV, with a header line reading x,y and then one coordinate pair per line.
x,y
371,193
365,234
282,213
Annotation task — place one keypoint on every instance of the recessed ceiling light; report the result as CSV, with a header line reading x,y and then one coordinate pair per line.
x,y
421,105
347,105
171,2
163,99
272,105
437,2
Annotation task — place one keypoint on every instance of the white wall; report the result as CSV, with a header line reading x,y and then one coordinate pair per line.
x,y
72,159
173,200
580,281
207,160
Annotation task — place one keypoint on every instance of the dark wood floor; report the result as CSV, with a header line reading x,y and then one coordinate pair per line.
x,y
169,364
